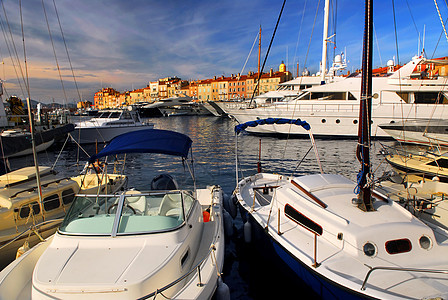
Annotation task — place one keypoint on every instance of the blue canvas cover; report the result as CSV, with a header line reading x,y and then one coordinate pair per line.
x,y
147,141
241,127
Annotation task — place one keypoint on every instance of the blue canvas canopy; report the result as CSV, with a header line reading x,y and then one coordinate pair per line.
x,y
241,127
147,141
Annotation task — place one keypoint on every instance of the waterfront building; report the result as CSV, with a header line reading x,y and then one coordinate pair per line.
x,y
218,88
205,90
154,89
106,98
193,88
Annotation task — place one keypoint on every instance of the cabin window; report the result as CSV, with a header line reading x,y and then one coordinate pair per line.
x,y
51,202
302,220
114,115
404,96
126,115
398,246
68,196
430,98
350,96
25,210
441,162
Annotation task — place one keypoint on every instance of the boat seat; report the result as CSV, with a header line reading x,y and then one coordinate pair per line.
x,y
171,205
137,202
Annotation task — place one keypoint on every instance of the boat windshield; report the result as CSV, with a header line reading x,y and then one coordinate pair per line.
x,y
131,213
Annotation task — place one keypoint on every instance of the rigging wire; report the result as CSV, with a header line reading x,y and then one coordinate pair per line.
x,y
27,82
54,52
66,50
300,32
250,52
438,41
267,53
12,52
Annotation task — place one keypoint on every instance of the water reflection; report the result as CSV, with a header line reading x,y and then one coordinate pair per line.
x,y
214,157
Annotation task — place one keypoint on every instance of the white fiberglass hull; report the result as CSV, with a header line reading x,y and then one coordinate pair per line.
x,y
332,118
314,227
423,132
126,267
103,134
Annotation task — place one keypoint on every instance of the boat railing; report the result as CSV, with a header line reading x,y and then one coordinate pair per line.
x,y
197,268
363,287
32,229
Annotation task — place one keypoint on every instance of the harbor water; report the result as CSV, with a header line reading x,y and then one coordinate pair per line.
x,y
248,273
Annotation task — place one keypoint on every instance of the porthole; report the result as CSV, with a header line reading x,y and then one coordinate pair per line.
x,y
369,249
338,121
425,242
355,122
398,246
324,121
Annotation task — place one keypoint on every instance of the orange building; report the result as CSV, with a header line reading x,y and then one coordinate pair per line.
x,y
106,98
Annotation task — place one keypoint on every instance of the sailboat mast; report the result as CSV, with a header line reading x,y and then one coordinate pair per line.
x,y
324,41
259,54
363,151
36,163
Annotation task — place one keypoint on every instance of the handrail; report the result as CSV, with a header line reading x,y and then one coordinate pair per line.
x,y
31,228
363,287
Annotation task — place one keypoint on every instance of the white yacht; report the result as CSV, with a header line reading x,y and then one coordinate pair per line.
x,y
332,109
107,125
135,244
178,106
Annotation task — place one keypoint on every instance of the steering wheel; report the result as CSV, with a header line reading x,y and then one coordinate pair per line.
x,y
116,204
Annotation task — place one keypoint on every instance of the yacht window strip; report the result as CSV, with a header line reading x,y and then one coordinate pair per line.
x,y
118,216
301,188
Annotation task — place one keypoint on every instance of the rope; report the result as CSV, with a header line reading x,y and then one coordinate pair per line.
x,y
441,20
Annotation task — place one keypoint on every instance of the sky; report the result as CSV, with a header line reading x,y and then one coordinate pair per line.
x,y
125,44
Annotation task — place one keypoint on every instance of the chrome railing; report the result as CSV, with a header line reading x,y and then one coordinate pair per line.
x,y
363,287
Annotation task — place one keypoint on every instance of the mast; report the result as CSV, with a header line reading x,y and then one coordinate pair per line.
x,y
363,154
324,42
36,163
259,54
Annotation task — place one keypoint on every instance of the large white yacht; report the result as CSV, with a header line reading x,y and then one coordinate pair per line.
x,y
107,125
333,109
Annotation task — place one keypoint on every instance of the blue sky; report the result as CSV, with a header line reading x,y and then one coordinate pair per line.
x,y
126,44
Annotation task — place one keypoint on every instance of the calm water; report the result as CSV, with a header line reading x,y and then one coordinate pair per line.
x,y
247,275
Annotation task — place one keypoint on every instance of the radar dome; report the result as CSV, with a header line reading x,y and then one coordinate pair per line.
x,y
338,59
390,63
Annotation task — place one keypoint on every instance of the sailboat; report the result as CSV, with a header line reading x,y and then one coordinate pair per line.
x,y
344,239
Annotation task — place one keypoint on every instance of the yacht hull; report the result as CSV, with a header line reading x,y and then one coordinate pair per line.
x,y
90,135
335,119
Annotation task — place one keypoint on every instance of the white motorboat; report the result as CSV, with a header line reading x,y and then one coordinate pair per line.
x,y
163,242
26,219
344,239
178,106
107,125
431,132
